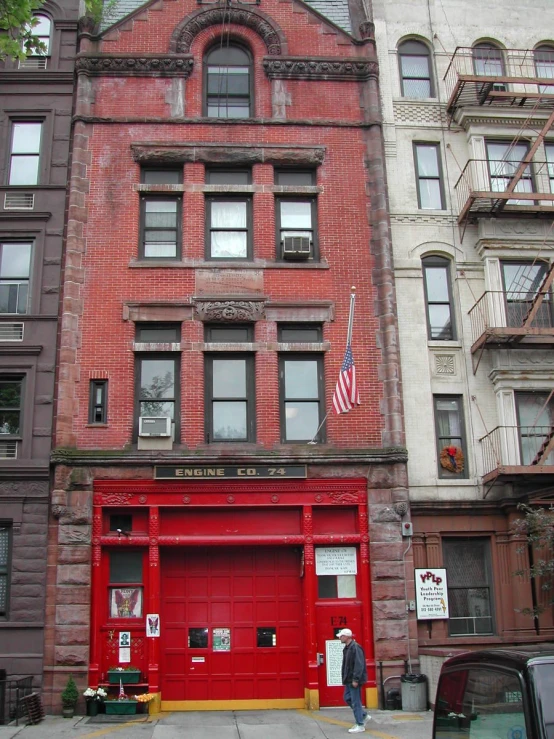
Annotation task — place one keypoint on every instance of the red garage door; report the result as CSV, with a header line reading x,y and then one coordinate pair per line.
x,y
231,624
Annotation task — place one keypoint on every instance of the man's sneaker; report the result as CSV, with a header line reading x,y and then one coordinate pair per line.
x,y
367,719
356,729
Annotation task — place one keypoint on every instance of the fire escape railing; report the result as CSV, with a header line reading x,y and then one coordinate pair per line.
x,y
522,77
518,446
513,313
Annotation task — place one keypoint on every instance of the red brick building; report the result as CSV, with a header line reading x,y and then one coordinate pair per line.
x,y
215,523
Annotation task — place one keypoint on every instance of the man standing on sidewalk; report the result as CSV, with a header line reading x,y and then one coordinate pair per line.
x,y
354,675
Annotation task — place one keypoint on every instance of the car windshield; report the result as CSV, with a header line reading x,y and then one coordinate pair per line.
x,y
543,678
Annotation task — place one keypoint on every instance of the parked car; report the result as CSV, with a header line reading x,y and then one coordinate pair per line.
x,y
497,694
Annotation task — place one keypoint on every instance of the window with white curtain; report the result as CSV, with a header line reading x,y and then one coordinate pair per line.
x,y
228,216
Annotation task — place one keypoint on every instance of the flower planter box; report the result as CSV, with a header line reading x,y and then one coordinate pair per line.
x,y
122,708
114,676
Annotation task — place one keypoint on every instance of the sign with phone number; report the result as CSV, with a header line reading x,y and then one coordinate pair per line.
x,y
226,472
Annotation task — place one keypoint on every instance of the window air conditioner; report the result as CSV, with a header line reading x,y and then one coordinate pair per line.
x,y
297,247
154,426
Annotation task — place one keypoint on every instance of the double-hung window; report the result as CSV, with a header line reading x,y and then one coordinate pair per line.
x,y
229,216
301,385
229,385
11,405
227,82
160,236
544,67
522,281
296,215
415,70
5,563
470,597
15,271
158,373
450,436
549,151
25,153
438,298
504,159
535,414
488,61
430,191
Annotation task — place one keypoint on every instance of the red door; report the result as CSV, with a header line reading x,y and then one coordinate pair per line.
x,y
230,624
331,618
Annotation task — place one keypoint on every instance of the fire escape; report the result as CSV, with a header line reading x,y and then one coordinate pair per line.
x,y
511,183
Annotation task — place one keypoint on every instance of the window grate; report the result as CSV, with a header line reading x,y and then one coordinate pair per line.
x,y
8,449
33,62
11,331
19,201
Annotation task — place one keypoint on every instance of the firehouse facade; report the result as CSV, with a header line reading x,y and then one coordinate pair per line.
x,y
215,523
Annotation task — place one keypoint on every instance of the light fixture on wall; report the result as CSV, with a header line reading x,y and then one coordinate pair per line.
x,y
121,533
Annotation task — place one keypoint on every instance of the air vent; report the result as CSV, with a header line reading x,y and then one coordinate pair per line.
x,y
154,426
8,449
19,201
297,247
11,331
33,62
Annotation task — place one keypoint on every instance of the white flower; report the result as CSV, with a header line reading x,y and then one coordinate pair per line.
x,y
89,693
101,693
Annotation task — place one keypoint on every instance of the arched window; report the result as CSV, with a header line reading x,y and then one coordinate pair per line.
x,y
227,82
415,70
488,60
544,66
43,30
438,298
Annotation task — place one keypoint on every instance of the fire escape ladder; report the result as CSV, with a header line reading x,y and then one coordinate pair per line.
x,y
540,295
526,161
483,94
546,447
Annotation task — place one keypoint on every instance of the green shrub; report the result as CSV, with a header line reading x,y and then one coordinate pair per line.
x,y
70,695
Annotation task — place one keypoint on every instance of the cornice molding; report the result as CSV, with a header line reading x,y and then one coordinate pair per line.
x,y
265,27
127,65
317,68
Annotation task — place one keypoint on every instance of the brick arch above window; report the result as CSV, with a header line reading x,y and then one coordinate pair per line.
x,y
270,33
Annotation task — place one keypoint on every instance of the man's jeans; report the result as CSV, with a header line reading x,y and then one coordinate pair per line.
x,y
353,697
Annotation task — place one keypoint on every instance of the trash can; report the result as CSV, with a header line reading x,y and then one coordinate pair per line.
x,y
413,688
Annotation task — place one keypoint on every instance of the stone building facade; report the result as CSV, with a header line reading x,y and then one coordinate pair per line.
x,y
467,94
206,498
36,97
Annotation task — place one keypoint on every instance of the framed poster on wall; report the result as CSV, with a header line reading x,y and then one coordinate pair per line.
x,y
125,602
431,593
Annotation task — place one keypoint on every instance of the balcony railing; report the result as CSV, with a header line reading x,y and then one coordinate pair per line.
x,y
501,318
511,77
482,189
516,451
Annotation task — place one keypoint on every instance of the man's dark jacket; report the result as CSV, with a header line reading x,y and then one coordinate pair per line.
x,y
353,664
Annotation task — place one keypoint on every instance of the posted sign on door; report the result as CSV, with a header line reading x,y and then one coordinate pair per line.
x,y
431,593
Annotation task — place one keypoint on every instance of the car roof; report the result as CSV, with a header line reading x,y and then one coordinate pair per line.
x,y
517,657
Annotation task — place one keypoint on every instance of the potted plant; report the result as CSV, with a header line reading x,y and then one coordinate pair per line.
x,y
93,698
121,706
127,674
70,696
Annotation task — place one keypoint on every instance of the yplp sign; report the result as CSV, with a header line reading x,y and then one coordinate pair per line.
x,y
431,593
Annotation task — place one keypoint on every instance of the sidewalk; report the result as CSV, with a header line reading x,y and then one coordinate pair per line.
x,y
300,724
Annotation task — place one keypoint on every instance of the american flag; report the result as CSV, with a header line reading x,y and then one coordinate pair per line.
x,y
346,394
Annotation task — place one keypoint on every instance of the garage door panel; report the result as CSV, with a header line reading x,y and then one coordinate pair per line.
x,y
239,589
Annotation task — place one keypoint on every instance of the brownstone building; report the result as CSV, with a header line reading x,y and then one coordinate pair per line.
x,y
35,118
215,523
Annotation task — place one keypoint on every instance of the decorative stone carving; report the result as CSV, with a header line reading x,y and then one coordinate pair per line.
x,y
386,515
344,498
133,66
58,511
320,69
184,34
367,30
228,154
401,508
230,310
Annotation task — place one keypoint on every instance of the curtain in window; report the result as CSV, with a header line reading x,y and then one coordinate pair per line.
x,y
225,240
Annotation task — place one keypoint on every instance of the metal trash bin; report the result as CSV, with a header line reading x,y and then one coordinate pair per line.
x,y
413,688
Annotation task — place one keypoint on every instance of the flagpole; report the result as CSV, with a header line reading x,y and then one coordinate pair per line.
x,y
348,342
351,315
